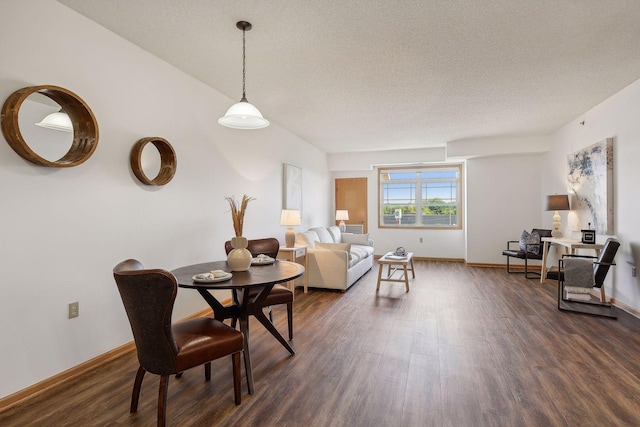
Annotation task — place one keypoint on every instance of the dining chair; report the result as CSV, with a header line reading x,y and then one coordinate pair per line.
x,y
164,348
279,294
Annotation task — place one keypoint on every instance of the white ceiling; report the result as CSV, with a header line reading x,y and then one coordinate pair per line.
x,y
359,75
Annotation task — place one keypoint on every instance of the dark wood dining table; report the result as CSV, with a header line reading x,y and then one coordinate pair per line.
x,y
263,277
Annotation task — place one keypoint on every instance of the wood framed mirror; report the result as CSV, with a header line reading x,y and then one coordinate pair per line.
x,y
85,126
168,163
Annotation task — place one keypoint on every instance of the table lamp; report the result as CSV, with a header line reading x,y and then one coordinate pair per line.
x,y
341,215
557,202
290,217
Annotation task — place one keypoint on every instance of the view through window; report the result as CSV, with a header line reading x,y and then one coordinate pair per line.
x,y
423,197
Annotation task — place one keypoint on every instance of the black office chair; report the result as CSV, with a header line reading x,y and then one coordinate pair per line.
x,y
600,266
164,348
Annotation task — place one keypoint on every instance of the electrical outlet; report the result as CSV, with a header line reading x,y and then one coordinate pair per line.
x,y
74,309
633,272
421,240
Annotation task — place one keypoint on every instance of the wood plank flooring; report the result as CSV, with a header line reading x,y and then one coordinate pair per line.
x,y
465,347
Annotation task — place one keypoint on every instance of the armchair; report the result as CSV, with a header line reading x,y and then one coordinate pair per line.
x,y
578,274
529,248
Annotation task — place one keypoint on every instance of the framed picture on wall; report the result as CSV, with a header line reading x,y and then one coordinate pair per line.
x,y
292,188
590,177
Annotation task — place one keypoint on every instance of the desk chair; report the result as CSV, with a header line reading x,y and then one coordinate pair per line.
x,y
279,294
601,266
165,349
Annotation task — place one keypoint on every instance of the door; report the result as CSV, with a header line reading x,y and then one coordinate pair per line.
x,y
351,194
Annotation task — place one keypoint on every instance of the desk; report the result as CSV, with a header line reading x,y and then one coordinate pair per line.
x,y
396,263
568,244
263,276
291,255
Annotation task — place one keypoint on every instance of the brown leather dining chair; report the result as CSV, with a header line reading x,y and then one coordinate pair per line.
x,y
164,348
279,294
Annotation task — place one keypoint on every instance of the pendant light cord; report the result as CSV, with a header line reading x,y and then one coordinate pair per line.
x,y
244,73
243,115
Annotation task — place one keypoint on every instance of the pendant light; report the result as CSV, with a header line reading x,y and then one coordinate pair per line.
x,y
243,115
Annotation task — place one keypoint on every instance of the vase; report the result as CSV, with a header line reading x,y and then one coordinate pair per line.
x,y
239,259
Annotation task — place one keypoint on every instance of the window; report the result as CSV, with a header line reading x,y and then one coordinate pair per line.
x,y
421,197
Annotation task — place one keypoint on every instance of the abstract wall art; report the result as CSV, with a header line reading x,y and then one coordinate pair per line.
x,y
590,176
292,188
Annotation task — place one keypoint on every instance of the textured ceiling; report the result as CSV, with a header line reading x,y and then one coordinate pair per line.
x,y
363,75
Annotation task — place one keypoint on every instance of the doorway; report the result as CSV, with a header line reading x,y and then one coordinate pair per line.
x,y
351,194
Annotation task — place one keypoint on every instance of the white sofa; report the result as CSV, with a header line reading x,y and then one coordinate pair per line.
x,y
335,260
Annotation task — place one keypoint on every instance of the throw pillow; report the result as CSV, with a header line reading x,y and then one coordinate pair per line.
x,y
336,235
323,234
532,240
356,239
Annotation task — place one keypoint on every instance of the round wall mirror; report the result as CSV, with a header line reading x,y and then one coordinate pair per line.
x,y
145,161
33,114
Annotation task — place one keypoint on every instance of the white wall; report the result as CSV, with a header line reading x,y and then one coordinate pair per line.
x,y
496,146
503,199
617,118
436,243
63,230
367,160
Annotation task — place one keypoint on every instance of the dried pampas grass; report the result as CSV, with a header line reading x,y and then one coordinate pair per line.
x,y
237,212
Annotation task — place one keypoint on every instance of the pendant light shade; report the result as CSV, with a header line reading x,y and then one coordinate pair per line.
x,y
243,115
57,121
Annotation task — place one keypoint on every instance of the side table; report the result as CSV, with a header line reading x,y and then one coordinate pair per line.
x,y
292,254
397,263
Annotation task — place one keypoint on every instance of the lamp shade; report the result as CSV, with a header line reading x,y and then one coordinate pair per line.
x,y
558,202
57,121
290,217
243,115
342,215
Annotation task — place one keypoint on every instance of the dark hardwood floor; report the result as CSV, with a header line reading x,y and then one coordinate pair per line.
x,y
465,347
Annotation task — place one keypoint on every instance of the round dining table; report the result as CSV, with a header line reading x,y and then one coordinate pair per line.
x,y
263,277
